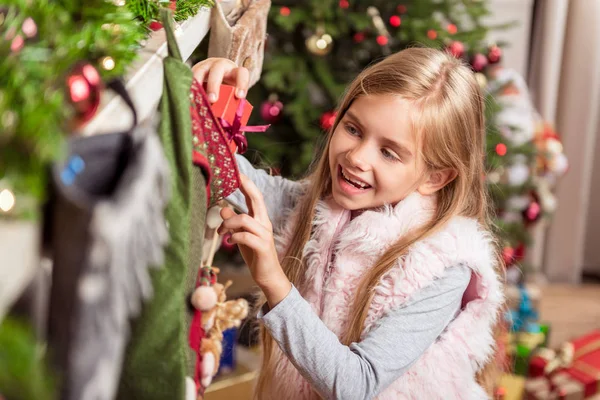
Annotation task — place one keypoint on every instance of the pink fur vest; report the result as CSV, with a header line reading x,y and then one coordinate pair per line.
x,y
447,369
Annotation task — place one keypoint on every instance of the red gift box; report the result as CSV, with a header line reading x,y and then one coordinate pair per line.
x,y
586,362
226,107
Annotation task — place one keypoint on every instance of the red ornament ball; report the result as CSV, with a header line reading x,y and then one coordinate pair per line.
x,y
479,62
84,87
382,40
271,111
359,37
344,4
327,120
155,26
533,212
494,54
508,255
520,252
431,34
395,21
452,29
457,49
501,149
285,11
401,9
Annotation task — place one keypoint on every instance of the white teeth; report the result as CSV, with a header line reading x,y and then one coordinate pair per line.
x,y
357,183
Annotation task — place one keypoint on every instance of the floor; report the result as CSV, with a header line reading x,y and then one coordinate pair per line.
x,y
571,310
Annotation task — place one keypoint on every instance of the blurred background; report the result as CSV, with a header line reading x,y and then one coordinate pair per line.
x,y
537,62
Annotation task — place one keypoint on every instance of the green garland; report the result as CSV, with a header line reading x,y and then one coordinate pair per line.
x,y
34,110
148,10
24,374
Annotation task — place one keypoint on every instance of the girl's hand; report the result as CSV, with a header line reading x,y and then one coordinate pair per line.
x,y
216,71
253,233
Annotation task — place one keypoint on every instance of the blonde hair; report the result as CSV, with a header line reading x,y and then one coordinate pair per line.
x,y
450,130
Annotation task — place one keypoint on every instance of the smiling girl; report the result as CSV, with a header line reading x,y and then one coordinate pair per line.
x,y
383,280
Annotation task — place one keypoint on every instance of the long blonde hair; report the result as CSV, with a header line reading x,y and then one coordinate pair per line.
x,y
450,130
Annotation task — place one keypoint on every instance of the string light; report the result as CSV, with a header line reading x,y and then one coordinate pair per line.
x,y
108,63
285,11
7,200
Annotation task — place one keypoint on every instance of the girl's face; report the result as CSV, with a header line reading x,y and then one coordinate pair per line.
x,y
372,154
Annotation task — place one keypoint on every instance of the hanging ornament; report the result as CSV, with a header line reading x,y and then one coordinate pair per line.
x,y
285,11
519,254
452,29
320,43
17,44
518,174
7,200
29,28
401,9
456,48
344,4
383,36
501,149
395,21
481,80
382,40
359,37
494,54
508,255
493,177
84,88
270,110
327,120
226,244
431,34
533,211
479,62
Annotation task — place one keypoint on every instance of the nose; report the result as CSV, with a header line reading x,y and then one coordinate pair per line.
x,y
358,157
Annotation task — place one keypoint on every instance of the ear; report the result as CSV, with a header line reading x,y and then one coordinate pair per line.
x,y
437,180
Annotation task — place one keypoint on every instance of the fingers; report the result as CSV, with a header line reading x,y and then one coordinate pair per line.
x,y
240,77
244,222
216,71
255,201
215,78
249,240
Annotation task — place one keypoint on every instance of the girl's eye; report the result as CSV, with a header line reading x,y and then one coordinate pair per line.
x,y
389,155
352,130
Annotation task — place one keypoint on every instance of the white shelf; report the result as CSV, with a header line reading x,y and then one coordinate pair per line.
x,y
144,81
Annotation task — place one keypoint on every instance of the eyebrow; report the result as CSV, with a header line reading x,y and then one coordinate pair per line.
x,y
402,150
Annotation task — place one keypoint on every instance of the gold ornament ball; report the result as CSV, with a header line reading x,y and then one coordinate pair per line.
x,y
481,79
319,44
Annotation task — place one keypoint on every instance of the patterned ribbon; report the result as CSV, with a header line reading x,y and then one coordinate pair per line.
x,y
235,130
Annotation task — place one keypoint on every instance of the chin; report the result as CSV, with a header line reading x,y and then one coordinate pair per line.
x,y
347,203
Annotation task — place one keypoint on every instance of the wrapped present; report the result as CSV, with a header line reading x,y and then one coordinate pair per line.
x,y
514,386
233,114
578,359
560,386
522,345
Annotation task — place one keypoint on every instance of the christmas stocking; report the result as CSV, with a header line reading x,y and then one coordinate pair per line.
x,y
242,42
159,358
107,228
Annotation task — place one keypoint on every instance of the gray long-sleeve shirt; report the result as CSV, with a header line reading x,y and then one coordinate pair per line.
x,y
364,369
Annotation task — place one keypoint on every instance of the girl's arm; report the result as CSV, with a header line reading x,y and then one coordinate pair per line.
x,y
362,370
280,195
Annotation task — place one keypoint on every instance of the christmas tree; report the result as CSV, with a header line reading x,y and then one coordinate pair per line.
x,y
314,49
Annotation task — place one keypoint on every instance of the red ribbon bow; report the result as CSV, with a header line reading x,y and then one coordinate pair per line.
x,y
235,130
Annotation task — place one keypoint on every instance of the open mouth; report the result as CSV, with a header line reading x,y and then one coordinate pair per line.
x,y
357,184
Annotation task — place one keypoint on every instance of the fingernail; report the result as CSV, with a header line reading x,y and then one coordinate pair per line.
x,y
240,93
212,97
